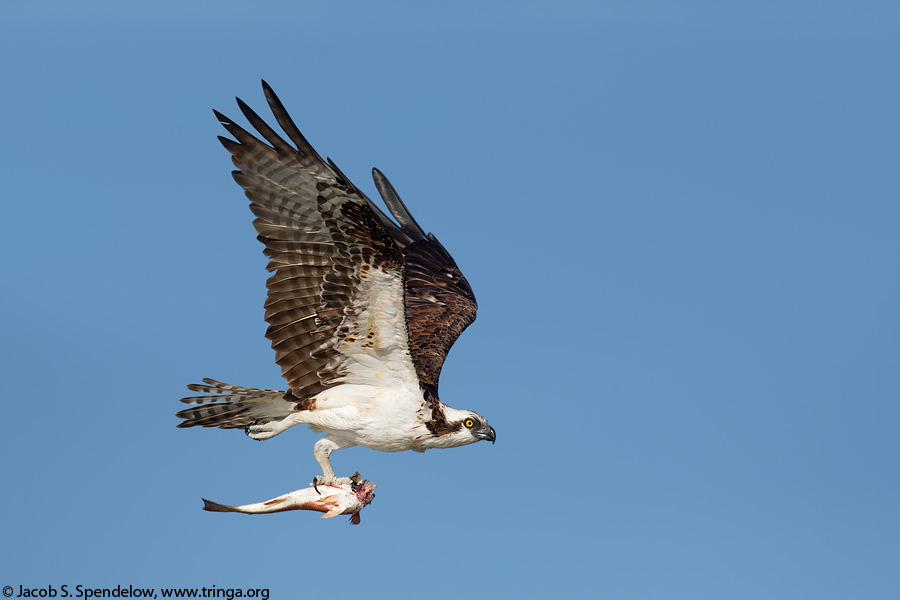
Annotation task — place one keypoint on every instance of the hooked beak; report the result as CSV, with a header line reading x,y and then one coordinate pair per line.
x,y
489,434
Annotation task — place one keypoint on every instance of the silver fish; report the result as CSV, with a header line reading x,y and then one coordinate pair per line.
x,y
333,500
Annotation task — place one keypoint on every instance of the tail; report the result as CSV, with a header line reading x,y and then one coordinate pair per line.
x,y
215,506
231,406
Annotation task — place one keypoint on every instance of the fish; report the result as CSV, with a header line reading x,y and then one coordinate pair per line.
x,y
331,499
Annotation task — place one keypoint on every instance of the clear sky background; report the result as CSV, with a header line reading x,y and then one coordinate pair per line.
x,y
681,223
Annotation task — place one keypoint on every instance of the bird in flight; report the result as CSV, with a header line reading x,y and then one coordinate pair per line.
x,y
362,309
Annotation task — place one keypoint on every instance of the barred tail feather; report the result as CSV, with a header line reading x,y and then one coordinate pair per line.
x,y
231,406
226,390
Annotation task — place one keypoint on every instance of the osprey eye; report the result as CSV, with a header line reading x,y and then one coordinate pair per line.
x,y
470,423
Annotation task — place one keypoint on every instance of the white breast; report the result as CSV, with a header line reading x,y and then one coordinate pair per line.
x,y
378,403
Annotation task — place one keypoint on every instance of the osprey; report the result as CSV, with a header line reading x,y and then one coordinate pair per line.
x,y
362,310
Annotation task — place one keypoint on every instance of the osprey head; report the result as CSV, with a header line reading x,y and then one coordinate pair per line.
x,y
452,428
477,426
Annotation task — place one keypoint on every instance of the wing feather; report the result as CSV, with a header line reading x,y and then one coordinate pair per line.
x,y
320,236
439,301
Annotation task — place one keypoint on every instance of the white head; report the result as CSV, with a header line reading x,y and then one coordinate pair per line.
x,y
451,428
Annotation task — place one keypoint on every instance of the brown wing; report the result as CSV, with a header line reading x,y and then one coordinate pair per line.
x,y
440,303
320,235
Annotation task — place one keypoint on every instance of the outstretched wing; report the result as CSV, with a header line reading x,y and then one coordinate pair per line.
x,y
440,303
332,258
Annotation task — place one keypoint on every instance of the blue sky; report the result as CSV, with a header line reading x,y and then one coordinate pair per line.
x,y
679,218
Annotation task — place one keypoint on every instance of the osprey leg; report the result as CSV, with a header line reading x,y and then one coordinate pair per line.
x,y
323,450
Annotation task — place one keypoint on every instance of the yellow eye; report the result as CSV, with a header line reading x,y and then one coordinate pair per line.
x,y
470,423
